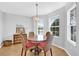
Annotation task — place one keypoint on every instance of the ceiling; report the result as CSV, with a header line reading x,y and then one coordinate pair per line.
x,y
29,8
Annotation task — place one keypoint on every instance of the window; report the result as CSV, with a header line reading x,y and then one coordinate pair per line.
x,y
71,25
54,27
40,29
73,33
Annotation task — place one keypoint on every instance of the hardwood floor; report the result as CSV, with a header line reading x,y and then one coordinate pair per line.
x,y
15,50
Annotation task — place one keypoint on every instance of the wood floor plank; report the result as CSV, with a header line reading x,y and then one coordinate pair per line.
x,y
15,50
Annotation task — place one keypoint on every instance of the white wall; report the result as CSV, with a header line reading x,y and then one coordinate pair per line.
x,y
77,20
69,46
1,28
10,22
62,40
9,27
62,16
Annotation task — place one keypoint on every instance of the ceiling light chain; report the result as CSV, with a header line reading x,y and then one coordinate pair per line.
x,y
36,16
36,10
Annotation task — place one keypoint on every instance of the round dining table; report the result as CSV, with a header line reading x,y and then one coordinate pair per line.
x,y
38,44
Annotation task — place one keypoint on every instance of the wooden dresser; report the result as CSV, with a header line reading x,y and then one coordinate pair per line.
x,y
17,38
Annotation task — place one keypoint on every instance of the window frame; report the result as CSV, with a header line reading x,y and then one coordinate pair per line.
x,y
52,21
69,26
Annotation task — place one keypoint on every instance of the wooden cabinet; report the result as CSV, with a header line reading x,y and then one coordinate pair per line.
x,y
17,38
7,42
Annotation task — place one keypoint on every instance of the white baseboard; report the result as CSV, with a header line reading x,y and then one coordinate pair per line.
x,y
62,48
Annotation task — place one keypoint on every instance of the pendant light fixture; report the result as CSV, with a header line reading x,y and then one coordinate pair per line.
x,y
36,16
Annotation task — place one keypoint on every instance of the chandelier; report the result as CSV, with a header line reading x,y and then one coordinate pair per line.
x,y
36,16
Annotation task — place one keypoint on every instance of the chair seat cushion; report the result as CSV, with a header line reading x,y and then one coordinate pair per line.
x,y
29,44
42,44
